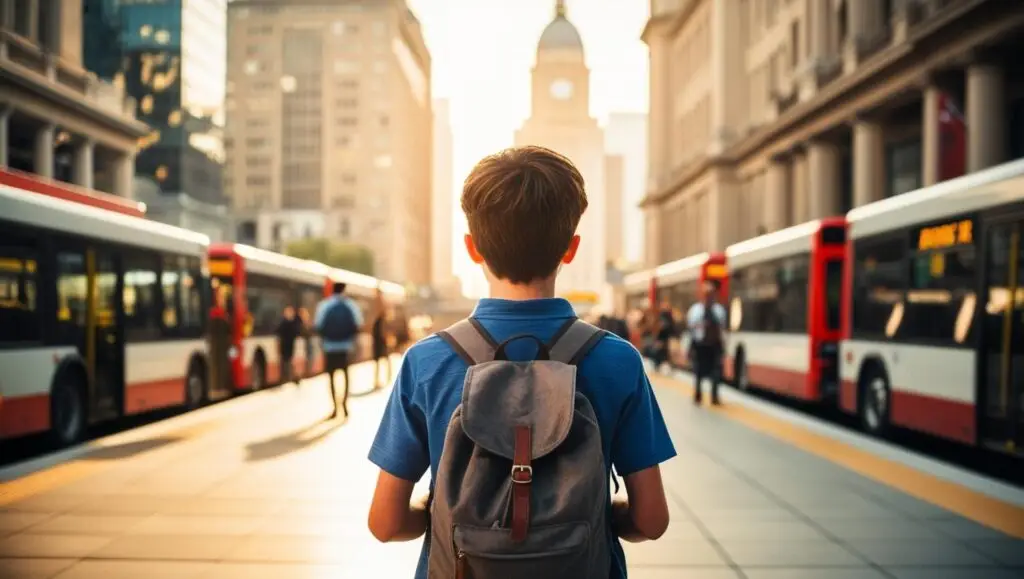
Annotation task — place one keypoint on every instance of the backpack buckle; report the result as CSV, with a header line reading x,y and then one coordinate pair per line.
x,y
522,474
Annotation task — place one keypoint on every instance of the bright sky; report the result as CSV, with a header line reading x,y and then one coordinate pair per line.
x,y
483,51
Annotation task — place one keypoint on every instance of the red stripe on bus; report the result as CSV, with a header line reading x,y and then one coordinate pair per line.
x,y
24,415
145,396
69,192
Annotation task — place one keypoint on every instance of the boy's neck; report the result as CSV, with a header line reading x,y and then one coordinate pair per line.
x,y
503,290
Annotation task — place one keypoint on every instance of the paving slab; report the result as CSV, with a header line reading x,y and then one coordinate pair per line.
x,y
276,491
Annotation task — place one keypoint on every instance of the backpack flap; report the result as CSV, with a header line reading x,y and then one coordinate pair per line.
x,y
499,398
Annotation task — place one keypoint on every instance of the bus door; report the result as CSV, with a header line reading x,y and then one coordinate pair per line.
x,y
104,334
1001,356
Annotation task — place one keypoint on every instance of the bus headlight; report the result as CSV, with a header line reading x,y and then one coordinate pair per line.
x,y
233,353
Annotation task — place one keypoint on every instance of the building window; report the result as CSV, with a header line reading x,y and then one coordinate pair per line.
x,y
903,167
343,227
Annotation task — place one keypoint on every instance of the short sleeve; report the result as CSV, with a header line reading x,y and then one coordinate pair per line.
x,y
641,439
400,447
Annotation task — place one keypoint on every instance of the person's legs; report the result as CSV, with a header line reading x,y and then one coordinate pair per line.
x,y
700,371
343,360
715,375
330,368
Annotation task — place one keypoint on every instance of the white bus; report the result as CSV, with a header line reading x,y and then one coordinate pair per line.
x,y
102,314
785,310
934,311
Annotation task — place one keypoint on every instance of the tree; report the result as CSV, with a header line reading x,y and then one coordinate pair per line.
x,y
350,256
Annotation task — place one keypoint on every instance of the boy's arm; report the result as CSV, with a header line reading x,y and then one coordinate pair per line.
x,y
392,516
640,444
318,316
400,450
644,516
357,314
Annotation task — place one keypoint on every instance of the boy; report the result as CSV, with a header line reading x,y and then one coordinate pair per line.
x,y
523,206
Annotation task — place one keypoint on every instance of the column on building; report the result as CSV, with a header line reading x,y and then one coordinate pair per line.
x,y
652,235
659,125
83,163
868,162
727,75
930,137
5,121
776,198
43,160
124,175
800,179
823,179
986,115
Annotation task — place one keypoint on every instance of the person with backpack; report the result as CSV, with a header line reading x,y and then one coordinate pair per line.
x,y
706,321
338,320
521,412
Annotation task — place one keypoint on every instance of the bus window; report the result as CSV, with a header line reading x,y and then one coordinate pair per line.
x,y
19,318
833,293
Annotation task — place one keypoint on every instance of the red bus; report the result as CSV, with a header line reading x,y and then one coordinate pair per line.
x,y
251,287
676,284
785,316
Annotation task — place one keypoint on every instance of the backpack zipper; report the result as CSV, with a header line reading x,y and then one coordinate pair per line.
x,y
460,564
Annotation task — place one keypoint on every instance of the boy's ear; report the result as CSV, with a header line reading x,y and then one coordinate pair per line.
x,y
570,254
471,250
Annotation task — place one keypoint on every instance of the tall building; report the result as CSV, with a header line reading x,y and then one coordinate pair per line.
x,y
560,119
56,118
442,275
625,135
765,114
170,56
614,186
329,127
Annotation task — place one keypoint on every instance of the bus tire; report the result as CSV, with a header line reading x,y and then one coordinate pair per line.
x,y
195,385
739,370
874,399
259,372
69,414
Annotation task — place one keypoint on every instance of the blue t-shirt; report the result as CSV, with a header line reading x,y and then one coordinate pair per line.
x,y
429,387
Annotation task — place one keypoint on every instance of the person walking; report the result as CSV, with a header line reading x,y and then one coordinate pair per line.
x,y
338,321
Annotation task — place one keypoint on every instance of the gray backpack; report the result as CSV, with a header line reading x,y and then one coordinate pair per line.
x,y
522,486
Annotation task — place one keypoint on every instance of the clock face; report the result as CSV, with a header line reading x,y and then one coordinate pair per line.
x,y
561,89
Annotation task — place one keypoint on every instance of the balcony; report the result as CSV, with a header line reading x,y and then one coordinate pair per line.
x,y
25,61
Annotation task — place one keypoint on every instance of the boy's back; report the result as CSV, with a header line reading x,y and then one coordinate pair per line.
x,y
523,207
429,388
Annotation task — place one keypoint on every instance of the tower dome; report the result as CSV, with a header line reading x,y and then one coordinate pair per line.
x,y
560,34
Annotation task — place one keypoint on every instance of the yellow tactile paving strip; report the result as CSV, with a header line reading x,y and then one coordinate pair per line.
x,y
996,514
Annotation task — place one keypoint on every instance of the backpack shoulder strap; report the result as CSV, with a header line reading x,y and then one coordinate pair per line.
x,y
470,341
574,341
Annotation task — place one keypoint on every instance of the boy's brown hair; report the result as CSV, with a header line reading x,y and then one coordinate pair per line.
x,y
523,206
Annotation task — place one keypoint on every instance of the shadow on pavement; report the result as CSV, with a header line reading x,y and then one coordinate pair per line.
x,y
291,441
130,449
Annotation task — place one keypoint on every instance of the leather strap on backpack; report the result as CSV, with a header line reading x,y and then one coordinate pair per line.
x,y
522,477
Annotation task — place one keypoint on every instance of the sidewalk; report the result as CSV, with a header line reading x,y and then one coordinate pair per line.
x,y
270,490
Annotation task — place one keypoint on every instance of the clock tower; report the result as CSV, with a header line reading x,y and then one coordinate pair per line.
x,y
560,120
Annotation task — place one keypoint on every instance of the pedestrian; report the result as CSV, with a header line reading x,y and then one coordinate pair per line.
x,y
288,331
379,334
706,323
523,206
338,321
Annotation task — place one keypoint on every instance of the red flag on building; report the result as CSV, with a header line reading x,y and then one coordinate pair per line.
x,y
952,139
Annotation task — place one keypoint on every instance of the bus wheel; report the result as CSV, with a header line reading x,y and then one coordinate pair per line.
x,y
739,370
195,386
875,398
68,417
259,373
